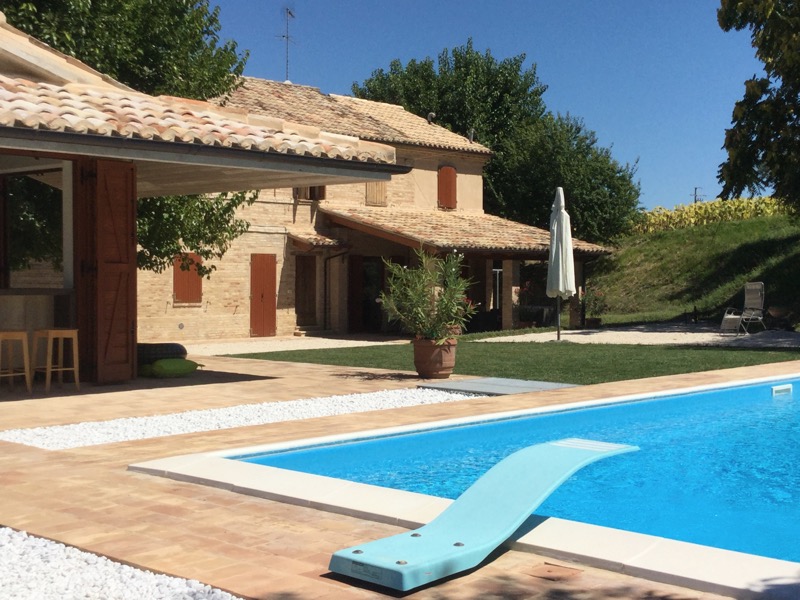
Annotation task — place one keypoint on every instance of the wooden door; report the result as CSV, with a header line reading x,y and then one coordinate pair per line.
x,y
263,295
105,274
365,282
355,292
305,285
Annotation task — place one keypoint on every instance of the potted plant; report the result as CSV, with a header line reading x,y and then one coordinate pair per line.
x,y
594,304
430,301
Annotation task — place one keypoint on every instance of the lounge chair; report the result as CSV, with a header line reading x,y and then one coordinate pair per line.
x,y
735,321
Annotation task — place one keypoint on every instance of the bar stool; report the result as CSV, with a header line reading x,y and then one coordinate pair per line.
x,y
58,336
10,371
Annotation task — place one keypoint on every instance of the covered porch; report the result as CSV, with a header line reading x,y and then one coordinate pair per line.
x,y
494,250
106,148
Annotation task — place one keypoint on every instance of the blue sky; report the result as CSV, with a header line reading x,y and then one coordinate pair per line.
x,y
656,80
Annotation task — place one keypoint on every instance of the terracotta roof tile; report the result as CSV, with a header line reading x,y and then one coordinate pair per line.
x,y
366,119
464,231
112,112
314,238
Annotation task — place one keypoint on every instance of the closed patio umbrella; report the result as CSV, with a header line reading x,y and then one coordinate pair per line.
x,y
561,266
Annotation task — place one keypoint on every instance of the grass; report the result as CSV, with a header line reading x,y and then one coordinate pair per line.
x,y
660,276
561,362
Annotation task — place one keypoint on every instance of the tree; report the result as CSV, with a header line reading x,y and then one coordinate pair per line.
x,y
157,47
500,103
154,46
763,143
602,194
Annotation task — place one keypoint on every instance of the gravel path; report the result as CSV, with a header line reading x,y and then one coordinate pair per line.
x,y
662,334
91,433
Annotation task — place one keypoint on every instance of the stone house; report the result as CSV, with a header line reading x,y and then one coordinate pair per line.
x,y
313,257
104,146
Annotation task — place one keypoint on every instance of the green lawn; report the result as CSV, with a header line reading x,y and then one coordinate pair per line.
x,y
562,362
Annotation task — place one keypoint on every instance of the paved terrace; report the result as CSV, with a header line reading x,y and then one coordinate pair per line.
x,y
252,547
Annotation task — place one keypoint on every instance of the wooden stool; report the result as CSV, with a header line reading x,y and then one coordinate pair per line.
x,y
10,370
57,335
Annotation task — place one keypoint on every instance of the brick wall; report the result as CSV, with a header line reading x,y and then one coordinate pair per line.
x,y
225,309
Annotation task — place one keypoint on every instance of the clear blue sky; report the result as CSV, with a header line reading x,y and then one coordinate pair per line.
x,y
656,80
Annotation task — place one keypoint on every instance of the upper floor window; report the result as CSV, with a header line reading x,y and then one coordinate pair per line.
x,y
312,192
447,187
375,194
187,285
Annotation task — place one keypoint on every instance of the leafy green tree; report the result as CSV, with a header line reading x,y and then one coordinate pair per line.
x,y
154,46
500,104
763,143
169,47
602,196
35,211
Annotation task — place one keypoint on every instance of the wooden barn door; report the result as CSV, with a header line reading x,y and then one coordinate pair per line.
x,y
105,273
263,295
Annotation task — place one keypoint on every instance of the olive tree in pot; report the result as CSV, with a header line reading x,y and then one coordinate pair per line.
x,y
430,301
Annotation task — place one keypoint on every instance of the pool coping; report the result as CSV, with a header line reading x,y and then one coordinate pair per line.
x,y
649,557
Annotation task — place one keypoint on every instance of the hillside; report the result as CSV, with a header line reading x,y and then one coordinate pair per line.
x,y
661,276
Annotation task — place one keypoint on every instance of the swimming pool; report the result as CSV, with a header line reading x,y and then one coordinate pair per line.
x,y
718,467
700,567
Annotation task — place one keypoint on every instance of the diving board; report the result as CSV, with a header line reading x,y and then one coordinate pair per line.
x,y
476,523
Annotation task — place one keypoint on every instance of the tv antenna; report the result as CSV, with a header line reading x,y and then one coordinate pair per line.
x,y
288,14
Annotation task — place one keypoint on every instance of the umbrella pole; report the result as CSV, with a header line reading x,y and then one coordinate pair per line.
x,y
558,317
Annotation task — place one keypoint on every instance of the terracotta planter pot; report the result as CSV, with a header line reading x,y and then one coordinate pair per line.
x,y
593,322
434,361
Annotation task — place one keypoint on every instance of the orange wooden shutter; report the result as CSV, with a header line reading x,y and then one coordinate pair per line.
x,y
187,286
447,187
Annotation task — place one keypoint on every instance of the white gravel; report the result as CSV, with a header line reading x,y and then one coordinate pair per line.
x,y
37,569
64,437
33,568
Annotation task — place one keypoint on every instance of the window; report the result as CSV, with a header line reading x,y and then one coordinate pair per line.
x,y
313,192
187,285
375,194
447,187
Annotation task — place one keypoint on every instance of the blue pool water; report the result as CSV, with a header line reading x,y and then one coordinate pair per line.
x,y
719,468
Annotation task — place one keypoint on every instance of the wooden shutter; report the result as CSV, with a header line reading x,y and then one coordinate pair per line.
x,y
263,295
375,193
314,192
447,187
187,285
105,268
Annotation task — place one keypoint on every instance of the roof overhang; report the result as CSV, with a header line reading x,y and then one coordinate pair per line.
x,y
439,232
173,168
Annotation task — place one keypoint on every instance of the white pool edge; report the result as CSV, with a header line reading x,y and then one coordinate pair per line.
x,y
657,559
702,568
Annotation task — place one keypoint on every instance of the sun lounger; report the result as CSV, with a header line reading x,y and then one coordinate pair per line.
x,y
481,519
752,312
